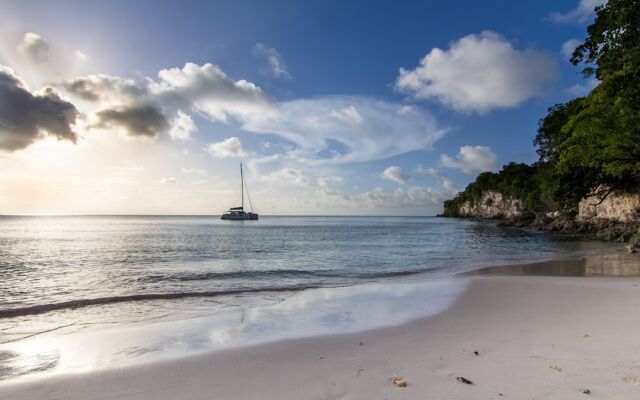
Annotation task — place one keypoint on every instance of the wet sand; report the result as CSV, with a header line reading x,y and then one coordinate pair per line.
x,y
614,264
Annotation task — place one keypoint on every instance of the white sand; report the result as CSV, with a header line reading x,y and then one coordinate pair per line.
x,y
586,327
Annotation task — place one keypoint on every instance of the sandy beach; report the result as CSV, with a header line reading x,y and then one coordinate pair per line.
x,y
536,337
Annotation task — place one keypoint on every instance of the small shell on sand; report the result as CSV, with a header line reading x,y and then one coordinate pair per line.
x,y
633,380
399,382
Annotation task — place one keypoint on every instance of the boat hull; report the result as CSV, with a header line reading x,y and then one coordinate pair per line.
x,y
241,216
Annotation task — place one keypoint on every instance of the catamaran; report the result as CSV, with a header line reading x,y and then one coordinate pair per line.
x,y
238,213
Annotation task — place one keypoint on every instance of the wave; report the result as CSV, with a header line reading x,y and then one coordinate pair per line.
x,y
293,273
79,303
280,273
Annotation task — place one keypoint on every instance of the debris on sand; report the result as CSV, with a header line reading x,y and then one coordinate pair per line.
x,y
464,380
633,380
585,391
399,382
555,367
476,353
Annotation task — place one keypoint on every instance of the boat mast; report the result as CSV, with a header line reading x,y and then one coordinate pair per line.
x,y
242,186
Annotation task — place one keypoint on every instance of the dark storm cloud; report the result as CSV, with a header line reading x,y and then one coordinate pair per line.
x,y
25,116
137,119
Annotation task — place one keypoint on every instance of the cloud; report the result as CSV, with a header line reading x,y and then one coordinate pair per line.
x,y
322,130
106,88
231,147
202,89
350,115
35,47
383,130
582,89
275,64
479,73
325,181
395,174
136,120
182,126
447,183
206,89
80,55
471,159
290,176
193,171
25,116
582,13
568,47
416,196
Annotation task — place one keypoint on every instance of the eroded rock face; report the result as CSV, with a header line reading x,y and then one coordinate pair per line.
x,y
622,207
492,205
617,218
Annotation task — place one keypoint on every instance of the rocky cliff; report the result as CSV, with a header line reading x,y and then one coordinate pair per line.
x,y
491,205
616,218
621,207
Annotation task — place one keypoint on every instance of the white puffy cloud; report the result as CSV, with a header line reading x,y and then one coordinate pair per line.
x,y
395,174
479,73
182,126
275,64
291,176
568,47
230,147
383,129
208,90
35,47
582,13
471,159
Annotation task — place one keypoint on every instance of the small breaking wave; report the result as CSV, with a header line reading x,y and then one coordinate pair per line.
x,y
278,273
79,303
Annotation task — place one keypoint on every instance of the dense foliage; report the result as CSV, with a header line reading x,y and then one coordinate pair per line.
x,y
589,142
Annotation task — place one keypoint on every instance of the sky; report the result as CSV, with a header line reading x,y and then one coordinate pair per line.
x,y
333,107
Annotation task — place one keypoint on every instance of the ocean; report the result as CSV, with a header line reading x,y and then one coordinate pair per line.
x,y
97,291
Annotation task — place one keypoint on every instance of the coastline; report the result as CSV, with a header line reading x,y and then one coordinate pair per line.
x,y
536,336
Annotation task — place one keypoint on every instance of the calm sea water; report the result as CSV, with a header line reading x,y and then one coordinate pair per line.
x,y
61,276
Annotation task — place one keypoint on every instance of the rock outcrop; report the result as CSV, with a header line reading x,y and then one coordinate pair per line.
x,y
492,205
621,207
616,218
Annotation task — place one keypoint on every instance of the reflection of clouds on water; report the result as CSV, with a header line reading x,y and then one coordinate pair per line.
x,y
306,313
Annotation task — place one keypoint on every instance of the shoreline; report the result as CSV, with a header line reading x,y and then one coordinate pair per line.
x,y
521,326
